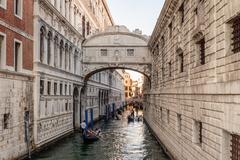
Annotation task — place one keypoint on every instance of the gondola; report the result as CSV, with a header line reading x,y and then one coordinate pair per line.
x,y
89,139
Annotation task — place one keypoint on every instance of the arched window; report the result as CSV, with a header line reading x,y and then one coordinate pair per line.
x,y
61,53
42,38
55,51
66,56
49,47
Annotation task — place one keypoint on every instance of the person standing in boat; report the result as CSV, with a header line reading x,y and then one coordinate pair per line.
x,y
83,126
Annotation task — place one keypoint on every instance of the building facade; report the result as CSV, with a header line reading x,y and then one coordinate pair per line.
x,y
61,96
128,85
16,65
193,103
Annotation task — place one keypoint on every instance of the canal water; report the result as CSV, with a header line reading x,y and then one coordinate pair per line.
x,y
121,141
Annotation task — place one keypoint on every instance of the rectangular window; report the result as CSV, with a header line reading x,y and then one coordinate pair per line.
x,y
2,51
55,88
49,88
130,52
201,47
17,56
170,68
181,62
236,35
181,13
6,120
170,30
88,28
3,4
197,132
103,52
41,87
179,123
70,89
18,8
61,89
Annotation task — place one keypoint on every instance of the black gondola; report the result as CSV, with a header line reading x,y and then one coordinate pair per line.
x,y
89,138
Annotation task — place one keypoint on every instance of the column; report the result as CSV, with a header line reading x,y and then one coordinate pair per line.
x,y
67,9
58,2
62,7
63,57
45,52
71,13
52,52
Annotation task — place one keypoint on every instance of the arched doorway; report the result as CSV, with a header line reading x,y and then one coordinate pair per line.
x,y
76,100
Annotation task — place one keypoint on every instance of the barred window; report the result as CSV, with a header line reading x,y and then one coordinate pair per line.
x,y
197,132
179,123
170,30
130,52
181,13
236,35
170,68
6,120
201,47
103,52
235,147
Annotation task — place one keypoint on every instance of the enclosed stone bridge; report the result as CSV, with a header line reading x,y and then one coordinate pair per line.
x,y
116,48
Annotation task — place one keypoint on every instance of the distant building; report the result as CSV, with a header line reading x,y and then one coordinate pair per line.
x,y
128,85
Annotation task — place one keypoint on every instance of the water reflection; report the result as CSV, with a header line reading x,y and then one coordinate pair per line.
x,y
121,141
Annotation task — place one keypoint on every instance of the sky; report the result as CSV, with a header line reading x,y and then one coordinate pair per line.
x,y
142,14
134,14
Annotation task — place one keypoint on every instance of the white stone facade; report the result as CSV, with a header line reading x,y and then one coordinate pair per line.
x,y
193,104
60,95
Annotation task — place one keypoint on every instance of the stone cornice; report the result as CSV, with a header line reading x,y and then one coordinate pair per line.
x,y
167,11
61,17
116,33
108,11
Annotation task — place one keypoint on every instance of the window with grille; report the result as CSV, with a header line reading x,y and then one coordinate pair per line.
x,y
235,147
170,68
170,30
181,13
201,47
197,132
236,35
103,52
181,62
130,52
179,123
6,120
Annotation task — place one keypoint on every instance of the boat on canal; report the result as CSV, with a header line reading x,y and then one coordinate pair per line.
x,y
89,137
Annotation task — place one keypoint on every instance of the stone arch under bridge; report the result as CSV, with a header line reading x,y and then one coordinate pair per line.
x,y
116,48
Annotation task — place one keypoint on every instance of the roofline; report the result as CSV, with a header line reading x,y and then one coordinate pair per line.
x,y
160,21
108,11
114,33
